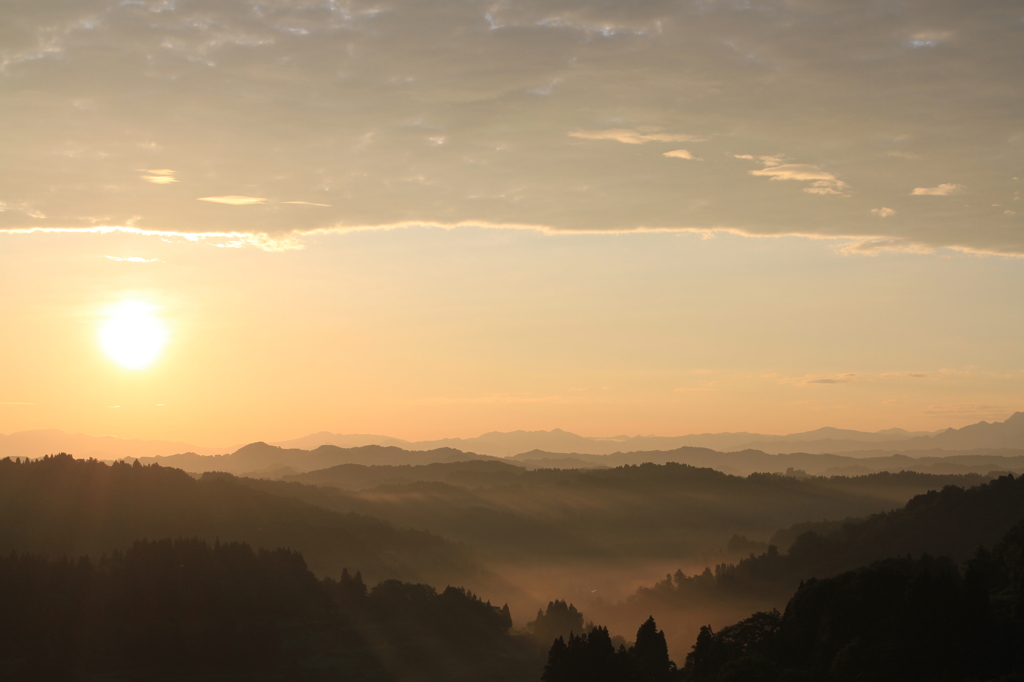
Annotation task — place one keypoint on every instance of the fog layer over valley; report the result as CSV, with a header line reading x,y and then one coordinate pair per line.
x,y
639,512
612,542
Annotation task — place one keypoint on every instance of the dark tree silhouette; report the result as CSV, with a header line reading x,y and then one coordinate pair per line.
x,y
650,654
559,620
593,658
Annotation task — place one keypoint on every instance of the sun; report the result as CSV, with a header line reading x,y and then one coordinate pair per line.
x,y
132,335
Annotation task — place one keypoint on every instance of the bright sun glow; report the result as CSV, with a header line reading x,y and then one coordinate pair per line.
x,y
132,335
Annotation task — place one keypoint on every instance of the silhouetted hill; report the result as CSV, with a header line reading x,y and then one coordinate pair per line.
x,y
1006,434
185,610
472,474
61,506
268,461
260,457
494,443
996,447
952,522
507,444
750,461
895,620
646,511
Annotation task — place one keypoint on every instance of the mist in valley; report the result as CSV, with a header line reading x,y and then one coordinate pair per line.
x,y
691,547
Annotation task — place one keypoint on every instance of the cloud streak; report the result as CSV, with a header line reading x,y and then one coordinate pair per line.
x,y
943,190
626,136
680,154
160,176
821,182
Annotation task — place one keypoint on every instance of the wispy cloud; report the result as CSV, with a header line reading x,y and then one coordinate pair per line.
x,y
928,38
871,246
943,190
133,259
765,160
234,200
159,176
822,182
681,154
23,208
306,203
627,136
883,212
266,242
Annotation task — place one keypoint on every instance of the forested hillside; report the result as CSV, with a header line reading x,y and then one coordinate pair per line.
x,y
61,506
894,620
630,512
952,522
186,610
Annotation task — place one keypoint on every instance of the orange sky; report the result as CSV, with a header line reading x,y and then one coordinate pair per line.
x,y
429,220
427,333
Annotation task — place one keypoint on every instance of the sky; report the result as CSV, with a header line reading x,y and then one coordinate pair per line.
x,y
433,219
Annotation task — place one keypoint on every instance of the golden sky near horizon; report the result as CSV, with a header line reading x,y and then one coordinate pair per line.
x,y
235,221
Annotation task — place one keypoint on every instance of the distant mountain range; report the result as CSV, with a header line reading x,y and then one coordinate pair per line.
x,y
1008,434
556,448
270,461
260,460
263,460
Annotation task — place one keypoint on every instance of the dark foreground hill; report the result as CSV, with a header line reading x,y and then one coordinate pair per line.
x,y
896,620
61,506
185,610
